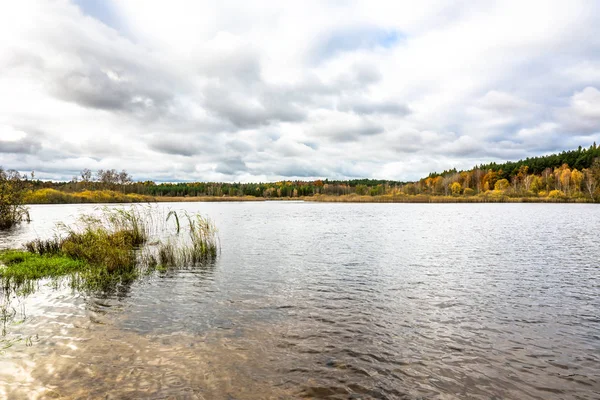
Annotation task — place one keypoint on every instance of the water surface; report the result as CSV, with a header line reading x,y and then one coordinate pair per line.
x,y
336,301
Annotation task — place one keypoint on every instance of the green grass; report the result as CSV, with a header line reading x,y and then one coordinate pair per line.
x,y
19,265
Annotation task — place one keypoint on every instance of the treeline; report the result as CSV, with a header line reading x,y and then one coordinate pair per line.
x,y
571,174
111,180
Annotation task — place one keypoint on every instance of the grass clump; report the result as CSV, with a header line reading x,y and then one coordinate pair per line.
x,y
202,242
109,248
107,241
18,266
105,253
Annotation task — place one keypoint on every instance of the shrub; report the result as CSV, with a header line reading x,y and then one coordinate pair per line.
x,y
13,188
556,194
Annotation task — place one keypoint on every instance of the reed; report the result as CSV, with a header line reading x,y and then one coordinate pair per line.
x,y
201,244
105,250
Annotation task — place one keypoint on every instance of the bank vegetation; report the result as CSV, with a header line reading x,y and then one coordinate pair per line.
x,y
570,176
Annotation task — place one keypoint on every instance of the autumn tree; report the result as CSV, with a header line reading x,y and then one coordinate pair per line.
x,y
528,181
489,180
501,184
576,179
564,177
537,184
13,188
589,182
548,178
456,188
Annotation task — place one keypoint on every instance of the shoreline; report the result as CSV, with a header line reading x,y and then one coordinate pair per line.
x,y
417,199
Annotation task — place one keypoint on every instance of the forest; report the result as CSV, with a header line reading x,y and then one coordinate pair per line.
x,y
569,176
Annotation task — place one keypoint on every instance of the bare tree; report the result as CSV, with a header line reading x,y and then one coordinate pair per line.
x,y
86,175
124,178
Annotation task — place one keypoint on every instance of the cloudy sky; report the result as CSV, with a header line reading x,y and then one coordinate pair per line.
x,y
268,90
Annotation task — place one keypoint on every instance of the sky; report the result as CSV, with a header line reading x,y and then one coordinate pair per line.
x,y
245,91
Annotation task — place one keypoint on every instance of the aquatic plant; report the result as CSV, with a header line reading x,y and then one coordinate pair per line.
x,y
110,248
44,247
22,266
202,242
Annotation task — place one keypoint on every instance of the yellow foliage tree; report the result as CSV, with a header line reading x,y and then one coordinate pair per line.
x,y
576,179
456,188
502,184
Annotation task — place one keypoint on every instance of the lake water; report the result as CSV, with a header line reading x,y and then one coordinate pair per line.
x,y
336,301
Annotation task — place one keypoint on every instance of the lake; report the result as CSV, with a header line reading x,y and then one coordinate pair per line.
x,y
336,301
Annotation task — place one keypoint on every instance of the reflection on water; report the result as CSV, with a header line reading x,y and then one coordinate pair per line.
x,y
332,301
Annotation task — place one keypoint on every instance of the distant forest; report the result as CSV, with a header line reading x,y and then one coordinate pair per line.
x,y
570,174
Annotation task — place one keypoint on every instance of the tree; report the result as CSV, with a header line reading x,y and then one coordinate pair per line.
x,y
124,178
86,175
456,188
361,190
577,179
590,181
546,175
528,181
536,183
13,187
565,178
502,184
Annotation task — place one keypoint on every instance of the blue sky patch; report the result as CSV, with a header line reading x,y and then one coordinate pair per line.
x,y
355,38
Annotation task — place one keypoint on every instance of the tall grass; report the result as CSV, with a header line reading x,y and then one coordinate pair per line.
x,y
201,244
116,245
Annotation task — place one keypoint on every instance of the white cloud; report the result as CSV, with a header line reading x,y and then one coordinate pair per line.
x,y
272,90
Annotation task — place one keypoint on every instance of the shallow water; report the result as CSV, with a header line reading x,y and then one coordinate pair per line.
x,y
335,301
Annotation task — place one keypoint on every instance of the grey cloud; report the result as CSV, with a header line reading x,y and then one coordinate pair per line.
x,y
240,145
245,111
95,89
406,142
352,134
290,168
175,147
462,146
231,166
348,130
298,169
291,148
375,107
26,145
241,64
98,70
503,102
358,78
19,58
583,113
